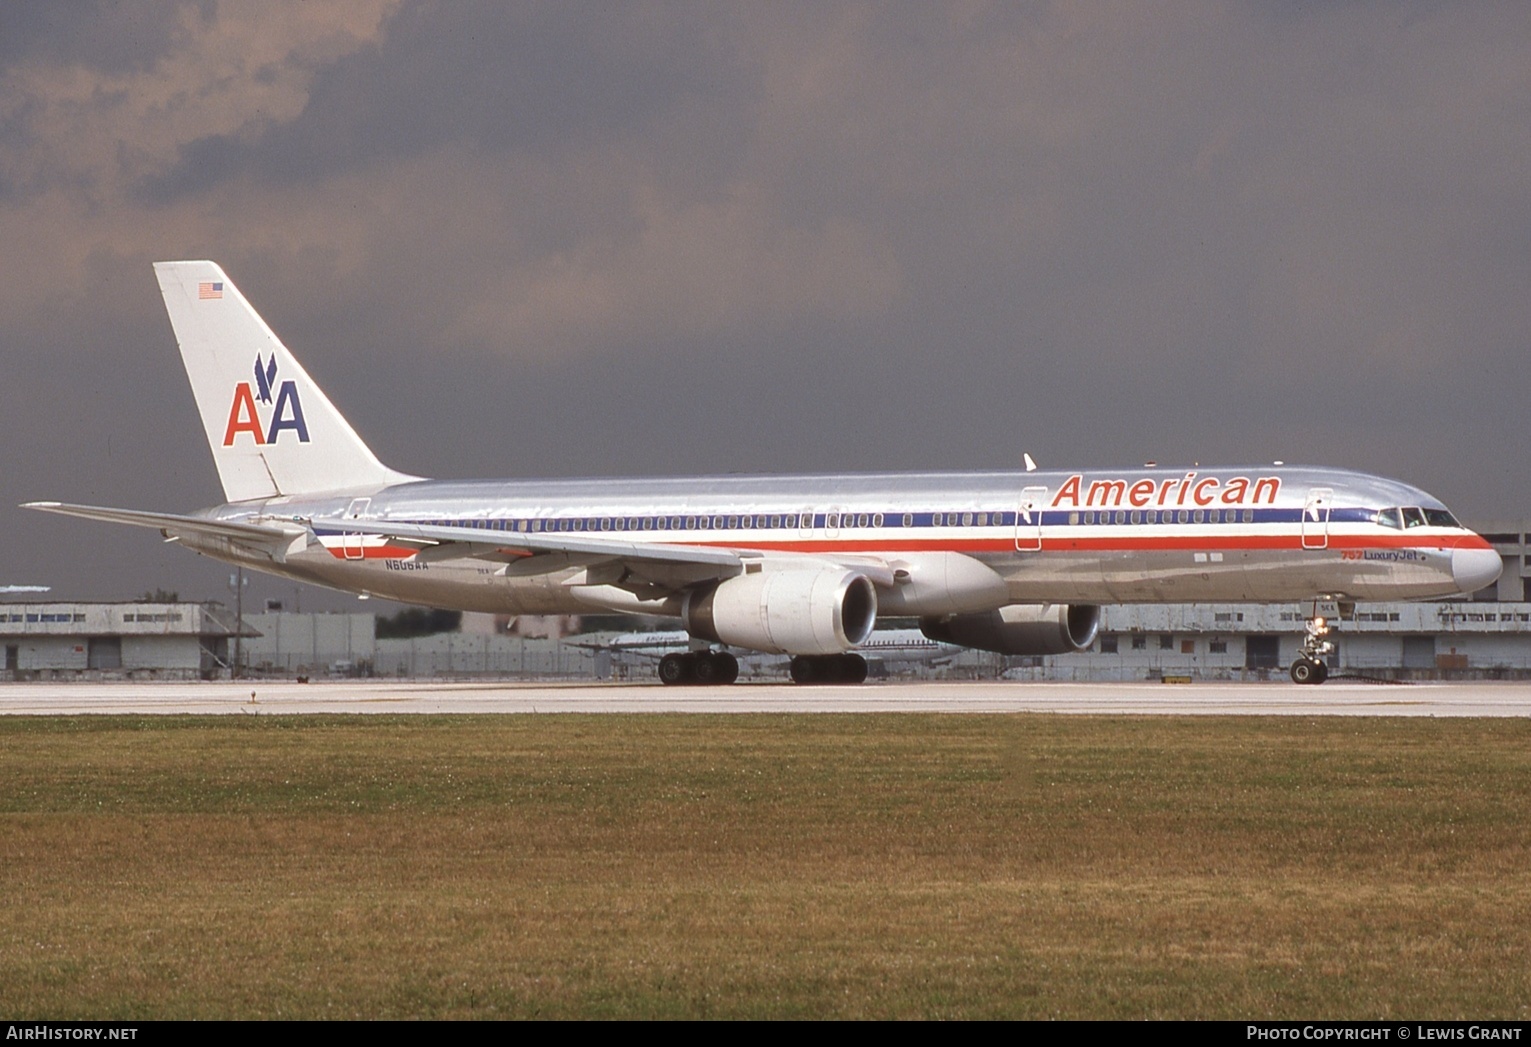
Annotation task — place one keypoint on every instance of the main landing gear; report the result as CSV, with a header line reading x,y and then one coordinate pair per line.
x,y
720,667
829,668
1310,666
699,667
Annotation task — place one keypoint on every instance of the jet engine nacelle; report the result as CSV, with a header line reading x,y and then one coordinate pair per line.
x,y
825,611
1020,628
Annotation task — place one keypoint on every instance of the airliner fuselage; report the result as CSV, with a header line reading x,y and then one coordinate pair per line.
x,y
1263,534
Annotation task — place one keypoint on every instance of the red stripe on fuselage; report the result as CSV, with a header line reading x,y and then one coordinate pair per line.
x,y
1105,544
371,552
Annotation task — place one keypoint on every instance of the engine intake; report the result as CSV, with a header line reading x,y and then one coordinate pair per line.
x,y
785,612
1020,628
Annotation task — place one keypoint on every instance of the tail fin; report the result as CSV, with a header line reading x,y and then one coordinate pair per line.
x,y
271,429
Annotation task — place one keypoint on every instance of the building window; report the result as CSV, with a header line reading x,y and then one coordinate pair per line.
x,y
1107,643
1139,642
1166,642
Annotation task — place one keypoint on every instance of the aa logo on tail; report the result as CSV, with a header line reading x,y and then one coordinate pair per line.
x,y
244,416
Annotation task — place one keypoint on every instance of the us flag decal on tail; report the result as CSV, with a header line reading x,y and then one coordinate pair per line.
x,y
210,289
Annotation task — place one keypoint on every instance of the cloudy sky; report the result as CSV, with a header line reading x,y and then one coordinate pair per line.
x,y
528,240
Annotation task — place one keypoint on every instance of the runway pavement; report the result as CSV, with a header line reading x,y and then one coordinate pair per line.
x,y
251,698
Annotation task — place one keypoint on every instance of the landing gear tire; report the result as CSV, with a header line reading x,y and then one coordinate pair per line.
x,y
699,667
706,668
829,668
676,669
1309,672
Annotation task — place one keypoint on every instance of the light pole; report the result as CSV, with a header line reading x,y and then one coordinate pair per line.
x,y
237,583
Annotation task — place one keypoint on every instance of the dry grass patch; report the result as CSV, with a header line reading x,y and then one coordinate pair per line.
x,y
892,865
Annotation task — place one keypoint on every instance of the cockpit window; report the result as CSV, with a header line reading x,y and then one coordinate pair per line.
x,y
1413,517
1441,518
1389,518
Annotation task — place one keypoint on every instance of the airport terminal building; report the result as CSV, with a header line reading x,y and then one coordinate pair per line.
x,y
164,641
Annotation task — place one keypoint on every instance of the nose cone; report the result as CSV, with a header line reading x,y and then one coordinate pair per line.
x,y
1475,568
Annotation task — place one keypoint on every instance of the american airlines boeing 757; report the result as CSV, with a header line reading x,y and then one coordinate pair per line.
x,y
1012,562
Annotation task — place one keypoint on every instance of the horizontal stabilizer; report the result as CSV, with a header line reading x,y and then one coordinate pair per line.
x,y
274,540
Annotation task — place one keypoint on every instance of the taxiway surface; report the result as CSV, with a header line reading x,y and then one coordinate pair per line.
x,y
1336,698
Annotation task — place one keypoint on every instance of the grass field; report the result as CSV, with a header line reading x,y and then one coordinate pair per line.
x,y
785,866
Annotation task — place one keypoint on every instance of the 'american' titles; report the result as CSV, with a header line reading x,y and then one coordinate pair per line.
x,y
1173,491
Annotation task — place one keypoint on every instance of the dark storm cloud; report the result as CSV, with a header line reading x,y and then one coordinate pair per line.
x,y
106,35
487,76
553,240
97,35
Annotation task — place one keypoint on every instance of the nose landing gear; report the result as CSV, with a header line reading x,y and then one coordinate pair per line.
x,y
1310,666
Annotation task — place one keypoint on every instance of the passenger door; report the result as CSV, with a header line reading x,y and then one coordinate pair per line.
x,y
1315,518
351,541
1028,520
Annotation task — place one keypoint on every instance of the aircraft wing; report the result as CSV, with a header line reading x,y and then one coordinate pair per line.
x,y
274,540
669,565
437,542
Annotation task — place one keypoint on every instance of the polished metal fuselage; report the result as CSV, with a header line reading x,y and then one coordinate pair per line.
x,y
1252,534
